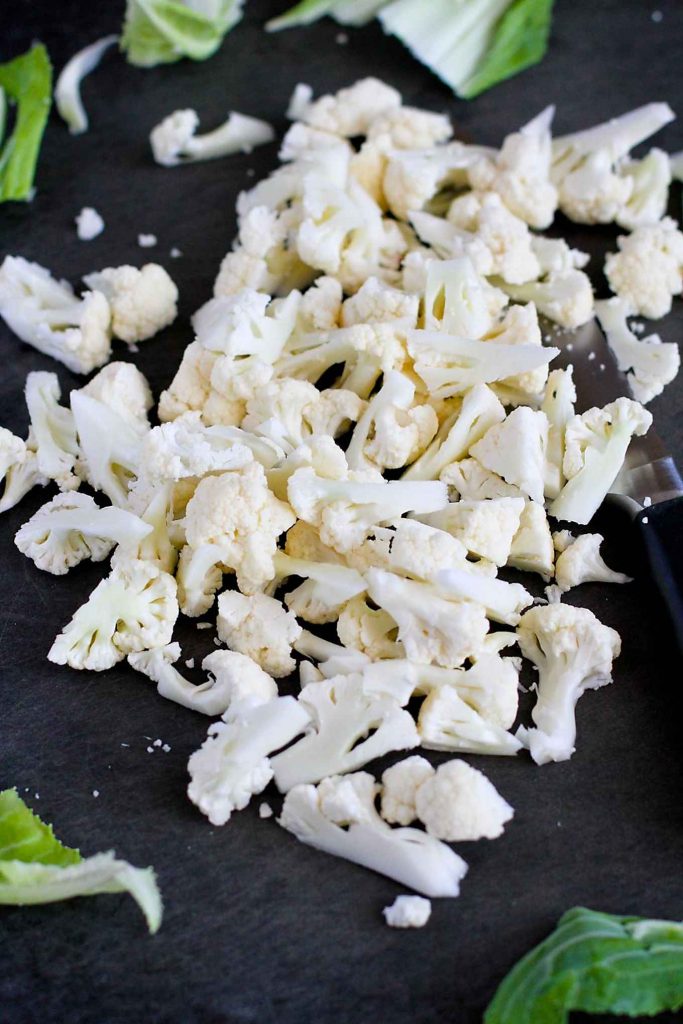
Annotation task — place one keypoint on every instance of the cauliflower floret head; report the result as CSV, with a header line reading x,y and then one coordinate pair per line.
x,y
648,269
246,681
459,803
400,784
260,627
581,562
351,111
123,388
369,630
142,302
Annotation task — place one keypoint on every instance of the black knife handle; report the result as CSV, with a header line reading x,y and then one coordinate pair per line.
x,y
661,529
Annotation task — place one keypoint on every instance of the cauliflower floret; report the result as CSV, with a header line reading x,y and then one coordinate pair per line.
x,y
392,432
651,363
430,627
558,405
244,681
190,389
565,297
157,507
451,721
650,178
581,562
232,764
573,652
503,601
490,687
458,803
516,450
595,448
318,818
400,784
71,527
326,589
486,528
290,412
185,448
110,447
520,172
352,111
470,481
520,326
133,609
532,546
413,177
18,469
123,388
174,140
507,237
369,630
376,302
411,128
45,313
648,269
415,549
321,306
303,542
53,431
142,302
260,627
408,912
343,714
237,513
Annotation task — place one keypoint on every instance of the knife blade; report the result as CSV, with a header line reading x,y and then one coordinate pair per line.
x,y
649,484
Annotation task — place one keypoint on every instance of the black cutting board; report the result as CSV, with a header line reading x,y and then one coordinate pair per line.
x,y
257,927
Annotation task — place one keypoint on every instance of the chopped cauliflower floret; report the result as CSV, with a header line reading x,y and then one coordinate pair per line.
x,y
532,546
515,450
411,128
400,784
321,305
471,481
650,363
185,448
376,302
507,237
142,302
18,469
53,431
486,528
459,803
123,388
648,269
408,912
391,432
260,627
581,562
174,140
351,111
369,630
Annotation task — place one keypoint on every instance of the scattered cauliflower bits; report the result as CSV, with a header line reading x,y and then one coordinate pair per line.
x,y
362,433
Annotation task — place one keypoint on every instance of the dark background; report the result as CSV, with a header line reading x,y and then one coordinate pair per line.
x,y
257,927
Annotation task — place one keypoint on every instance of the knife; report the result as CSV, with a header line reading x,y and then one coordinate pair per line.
x,y
649,485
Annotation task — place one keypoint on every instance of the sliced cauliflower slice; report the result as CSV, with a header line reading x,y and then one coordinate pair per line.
x,y
648,269
45,313
459,803
133,609
400,784
532,546
110,447
581,562
19,471
558,405
71,528
447,721
515,449
142,301
339,817
53,430
125,390
260,627
486,528
392,432
650,363
371,631
232,764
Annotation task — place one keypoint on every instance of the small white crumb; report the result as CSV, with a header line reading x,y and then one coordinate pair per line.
x,y
250,172
217,641
147,241
591,357
602,366
189,663
638,328
559,824
150,750
645,519
132,347
166,749
341,38
647,502
37,796
408,912
157,743
125,744
569,346
175,253
657,16
95,793
147,737
265,811
553,593
89,224
203,625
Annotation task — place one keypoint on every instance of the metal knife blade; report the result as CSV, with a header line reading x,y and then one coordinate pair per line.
x,y
649,471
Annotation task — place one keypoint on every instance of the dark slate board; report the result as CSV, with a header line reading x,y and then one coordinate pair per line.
x,y
259,928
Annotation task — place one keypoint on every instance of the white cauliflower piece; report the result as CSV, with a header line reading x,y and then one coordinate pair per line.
x,y
133,609
319,816
343,714
392,431
503,601
174,140
46,314
400,784
650,363
377,302
449,721
650,179
232,764
520,326
333,660
648,269
408,912
520,172
573,652
110,447
190,389
289,412
558,405
459,803
142,302
53,431
186,448
411,128
19,471
532,546
125,390
156,506
371,631
565,297
352,111
507,237
595,448
470,481
581,562
413,177
515,449
430,627
326,589
71,528
486,528
320,308
260,627
490,687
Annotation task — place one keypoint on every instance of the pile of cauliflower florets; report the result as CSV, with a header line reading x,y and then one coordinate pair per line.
x,y
363,432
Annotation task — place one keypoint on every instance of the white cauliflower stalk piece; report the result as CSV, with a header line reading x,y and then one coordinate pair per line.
x,y
19,471
133,609
573,652
261,628
174,140
327,588
46,314
343,716
332,659
400,784
142,301
110,447
458,803
650,363
532,546
581,562
232,765
504,602
53,430
648,269
71,528
317,816
558,405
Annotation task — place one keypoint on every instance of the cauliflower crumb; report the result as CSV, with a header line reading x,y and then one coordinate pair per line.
x,y
265,810
408,912
89,224
147,241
